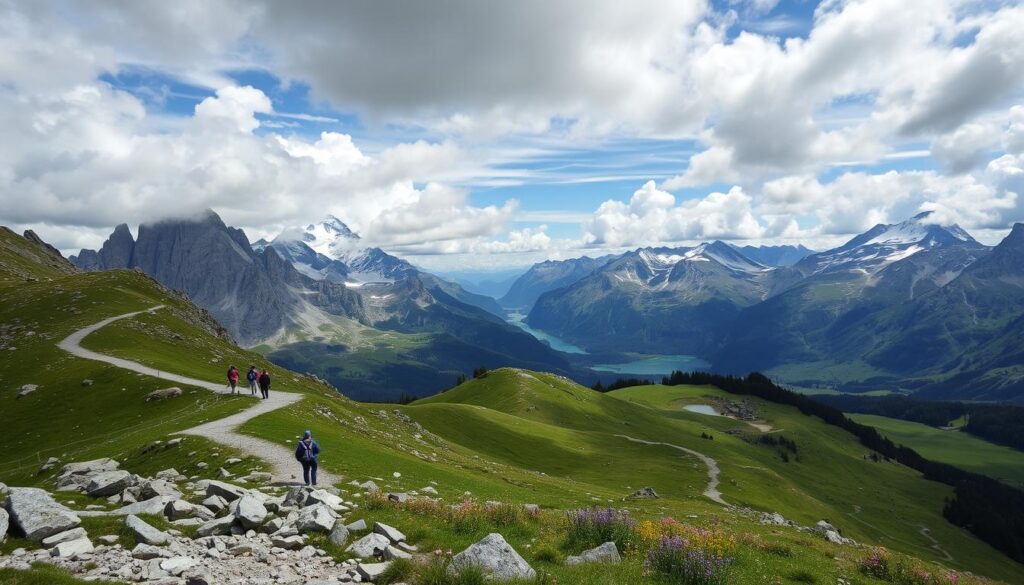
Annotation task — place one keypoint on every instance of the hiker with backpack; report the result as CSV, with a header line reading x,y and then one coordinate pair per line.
x,y
252,375
233,379
307,452
264,382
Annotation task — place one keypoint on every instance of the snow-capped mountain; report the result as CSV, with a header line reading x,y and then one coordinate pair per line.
x,y
652,299
883,245
329,250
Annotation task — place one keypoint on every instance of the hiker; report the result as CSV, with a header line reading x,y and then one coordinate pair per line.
x,y
307,453
264,381
233,379
252,375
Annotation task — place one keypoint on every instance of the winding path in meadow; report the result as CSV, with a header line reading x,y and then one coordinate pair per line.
x,y
224,431
711,491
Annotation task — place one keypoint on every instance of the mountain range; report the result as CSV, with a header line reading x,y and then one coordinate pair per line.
x,y
915,306
370,323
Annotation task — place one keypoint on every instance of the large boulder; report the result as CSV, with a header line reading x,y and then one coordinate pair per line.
x,y
229,492
392,534
144,532
316,518
88,467
37,514
155,488
324,497
108,483
496,557
369,546
250,511
339,534
66,536
179,509
605,553
217,526
163,394
72,548
154,506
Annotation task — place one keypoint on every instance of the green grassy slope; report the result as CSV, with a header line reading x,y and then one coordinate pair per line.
x,y
953,447
512,436
508,413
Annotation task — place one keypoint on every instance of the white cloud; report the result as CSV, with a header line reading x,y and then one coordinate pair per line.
x,y
651,218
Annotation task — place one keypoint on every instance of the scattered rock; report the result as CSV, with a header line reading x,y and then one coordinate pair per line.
x,y
144,532
339,534
72,548
37,514
288,542
155,488
215,503
369,546
606,553
87,382
357,526
147,551
177,565
372,571
250,512
27,389
154,506
163,394
108,483
225,490
217,526
108,539
495,556
66,536
316,518
646,493
50,463
392,534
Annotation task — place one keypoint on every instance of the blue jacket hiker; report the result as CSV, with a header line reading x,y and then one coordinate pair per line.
x,y
307,452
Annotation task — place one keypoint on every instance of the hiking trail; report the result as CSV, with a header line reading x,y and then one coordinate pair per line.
x,y
711,491
280,458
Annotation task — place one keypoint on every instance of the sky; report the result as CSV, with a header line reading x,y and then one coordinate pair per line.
x,y
484,136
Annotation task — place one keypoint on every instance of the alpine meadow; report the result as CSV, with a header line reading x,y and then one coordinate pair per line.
x,y
707,292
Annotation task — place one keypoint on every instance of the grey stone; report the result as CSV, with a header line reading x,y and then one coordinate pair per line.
x,y
37,514
177,565
67,535
215,503
369,486
372,571
323,497
605,553
108,539
229,492
180,509
170,474
339,534
50,463
144,532
72,548
357,526
108,483
272,526
288,542
163,394
5,523
154,506
250,511
495,556
316,518
155,488
27,389
392,552
532,509
147,551
369,546
392,534
217,526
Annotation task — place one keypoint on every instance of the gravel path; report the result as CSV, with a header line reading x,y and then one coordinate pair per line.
x,y
280,458
711,491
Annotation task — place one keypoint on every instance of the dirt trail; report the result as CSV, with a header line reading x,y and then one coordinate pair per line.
x,y
223,431
711,491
